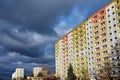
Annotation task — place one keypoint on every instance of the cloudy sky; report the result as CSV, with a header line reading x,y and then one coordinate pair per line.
x,y
29,29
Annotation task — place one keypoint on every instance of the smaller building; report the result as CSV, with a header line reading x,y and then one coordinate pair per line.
x,y
18,74
39,73
37,70
13,75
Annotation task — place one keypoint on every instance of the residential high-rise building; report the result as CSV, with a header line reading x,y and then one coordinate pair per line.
x,y
89,46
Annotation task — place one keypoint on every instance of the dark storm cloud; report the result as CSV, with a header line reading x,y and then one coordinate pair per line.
x,y
13,39
35,15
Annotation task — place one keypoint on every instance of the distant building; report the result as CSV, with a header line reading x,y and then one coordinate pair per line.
x,y
13,75
18,74
39,73
37,70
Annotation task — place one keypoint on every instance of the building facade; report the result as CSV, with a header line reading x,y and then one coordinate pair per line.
x,y
13,76
18,74
37,70
89,46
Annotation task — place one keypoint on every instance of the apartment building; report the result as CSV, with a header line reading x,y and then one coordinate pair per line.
x,y
89,46
37,70
18,74
13,76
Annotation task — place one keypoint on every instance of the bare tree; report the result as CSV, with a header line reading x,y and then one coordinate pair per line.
x,y
115,60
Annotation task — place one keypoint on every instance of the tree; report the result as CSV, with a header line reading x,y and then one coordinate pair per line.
x,y
13,79
47,68
40,74
25,77
57,78
71,75
115,60
106,70
51,77
85,74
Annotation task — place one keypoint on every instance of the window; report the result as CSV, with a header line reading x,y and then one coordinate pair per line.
x,y
103,35
98,66
113,18
103,29
105,52
119,14
112,58
118,7
96,32
117,1
112,6
98,48
101,12
104,40
98,54
110,27
113,13
106,70
77,55
104,46
96,38
103,23
106,64
115,37
82,53
105,58
82,63
114,25
89,58
97,43
117,57
98,72
82,59
96,27
95,17
111,45
110,33
110,39
118,20
109,21
102,18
